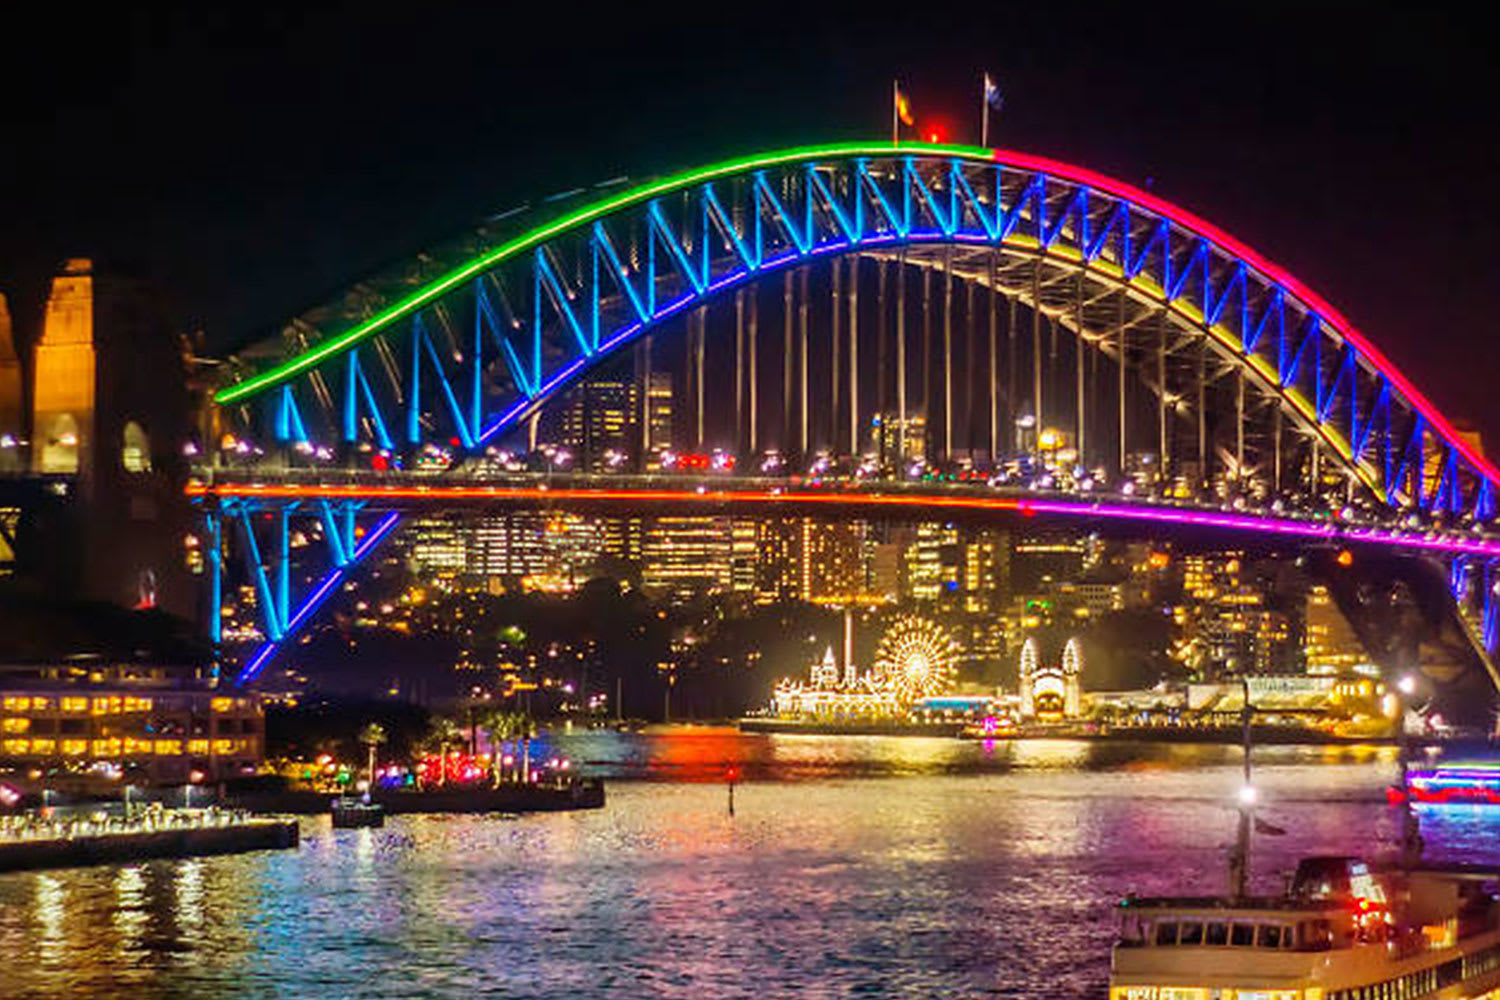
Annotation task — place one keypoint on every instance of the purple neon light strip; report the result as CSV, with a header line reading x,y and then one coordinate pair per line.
x,y
1264,525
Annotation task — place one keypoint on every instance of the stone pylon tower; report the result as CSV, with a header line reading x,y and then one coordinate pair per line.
x,y
65,378
12,397
110,416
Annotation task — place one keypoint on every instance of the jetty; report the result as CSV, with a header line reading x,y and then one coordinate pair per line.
x,y
31,841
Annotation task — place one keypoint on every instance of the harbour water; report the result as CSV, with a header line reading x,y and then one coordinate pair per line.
x,y
882,867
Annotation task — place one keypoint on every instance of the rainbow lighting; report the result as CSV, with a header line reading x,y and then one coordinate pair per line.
x,y
1291,344
1009,158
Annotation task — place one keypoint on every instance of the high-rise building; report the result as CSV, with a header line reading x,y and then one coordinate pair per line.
x,y
778,561
833,570
1226,628
986,570
685,557
933,566
601,419
659,410
743,554
884,555
439,549
897,439
598,420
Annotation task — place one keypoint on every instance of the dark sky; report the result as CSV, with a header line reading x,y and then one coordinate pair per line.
x,y
252,161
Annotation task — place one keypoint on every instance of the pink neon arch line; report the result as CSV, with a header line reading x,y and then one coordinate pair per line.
x,y
1275,272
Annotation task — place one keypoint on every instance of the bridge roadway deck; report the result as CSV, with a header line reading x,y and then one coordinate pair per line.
x,y
878,498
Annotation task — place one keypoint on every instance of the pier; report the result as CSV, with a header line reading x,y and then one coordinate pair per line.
x,y
31,841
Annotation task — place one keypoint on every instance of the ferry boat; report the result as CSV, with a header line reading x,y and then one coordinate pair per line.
x,y
1344,929
1455,784
351,812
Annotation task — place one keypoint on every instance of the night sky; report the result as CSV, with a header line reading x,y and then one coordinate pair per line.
x,y
252,162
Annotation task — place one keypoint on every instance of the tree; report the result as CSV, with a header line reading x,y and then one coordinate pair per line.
x,y
442,734
524,729
372,736
498,723
504,726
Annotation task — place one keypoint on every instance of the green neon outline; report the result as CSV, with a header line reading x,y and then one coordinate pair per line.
x,y
427,294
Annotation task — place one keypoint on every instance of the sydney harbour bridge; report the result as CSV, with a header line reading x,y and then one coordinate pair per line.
x,y
873,330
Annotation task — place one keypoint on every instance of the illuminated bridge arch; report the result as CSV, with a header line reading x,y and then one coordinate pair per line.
x,y
463,358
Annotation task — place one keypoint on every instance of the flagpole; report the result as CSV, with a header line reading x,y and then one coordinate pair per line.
x,y
895,111
984,112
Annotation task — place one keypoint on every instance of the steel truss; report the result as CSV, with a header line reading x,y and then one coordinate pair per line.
x,y
1205,323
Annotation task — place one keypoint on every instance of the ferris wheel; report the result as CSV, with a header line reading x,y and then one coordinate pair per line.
x,y
915,659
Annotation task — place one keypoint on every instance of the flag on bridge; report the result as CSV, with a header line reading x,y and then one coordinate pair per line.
x,y
994,100
900,110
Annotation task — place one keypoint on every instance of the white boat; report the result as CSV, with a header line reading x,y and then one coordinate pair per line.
x,y
1343,930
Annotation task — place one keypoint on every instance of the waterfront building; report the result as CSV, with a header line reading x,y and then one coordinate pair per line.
x,y
914,660
1225,624
1051,683
165,724
1329,645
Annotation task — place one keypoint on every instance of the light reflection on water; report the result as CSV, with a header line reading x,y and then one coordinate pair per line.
x,y
861,866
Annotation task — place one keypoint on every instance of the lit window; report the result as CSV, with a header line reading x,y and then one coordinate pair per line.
x,y
16,746
43,746
75,748
135,449
15,725
75,704
198,747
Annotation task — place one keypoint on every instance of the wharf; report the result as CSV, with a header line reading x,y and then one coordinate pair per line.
x,y
28,843
872,728
509,797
